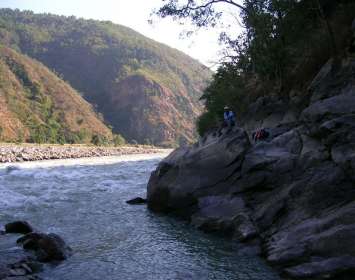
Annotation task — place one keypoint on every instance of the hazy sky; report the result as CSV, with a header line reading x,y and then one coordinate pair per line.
x,y
132,13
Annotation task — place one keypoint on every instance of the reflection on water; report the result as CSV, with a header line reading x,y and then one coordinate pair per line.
x,y
84,202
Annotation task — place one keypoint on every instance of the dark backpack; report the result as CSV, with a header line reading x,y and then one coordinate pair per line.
x,y
260,134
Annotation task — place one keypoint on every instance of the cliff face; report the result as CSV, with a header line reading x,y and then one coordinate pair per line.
x,y
107,63
149,112
35,105
292,195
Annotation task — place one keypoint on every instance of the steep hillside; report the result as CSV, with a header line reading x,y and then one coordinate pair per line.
x,y
37,106
284,45
145,90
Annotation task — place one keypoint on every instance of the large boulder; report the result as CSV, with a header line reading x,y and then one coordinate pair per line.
x,y
332,107
189,173
332,95
227,214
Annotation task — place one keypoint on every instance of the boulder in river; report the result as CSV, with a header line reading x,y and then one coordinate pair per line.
x,y
48,247
18,227
137,200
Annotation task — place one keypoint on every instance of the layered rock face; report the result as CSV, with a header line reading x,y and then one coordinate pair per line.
x,y
294,193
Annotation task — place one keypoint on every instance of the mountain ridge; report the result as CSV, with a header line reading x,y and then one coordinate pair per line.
x,y
98,58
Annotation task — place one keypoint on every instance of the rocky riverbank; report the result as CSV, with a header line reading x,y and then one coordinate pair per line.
x,y
39,248
19,153
291,196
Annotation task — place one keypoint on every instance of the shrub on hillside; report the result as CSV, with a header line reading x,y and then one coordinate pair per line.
x,y
118,140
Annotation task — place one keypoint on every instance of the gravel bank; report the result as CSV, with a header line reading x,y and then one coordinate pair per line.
x,y
19,153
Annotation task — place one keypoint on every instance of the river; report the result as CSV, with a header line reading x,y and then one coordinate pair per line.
x,y
83,201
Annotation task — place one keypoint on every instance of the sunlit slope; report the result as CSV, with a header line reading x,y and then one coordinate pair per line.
x,y
37,106
145,90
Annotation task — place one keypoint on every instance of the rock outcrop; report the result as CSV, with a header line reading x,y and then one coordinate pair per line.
x,y
293,193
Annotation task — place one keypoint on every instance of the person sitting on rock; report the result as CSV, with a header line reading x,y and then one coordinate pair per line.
x,y
228,117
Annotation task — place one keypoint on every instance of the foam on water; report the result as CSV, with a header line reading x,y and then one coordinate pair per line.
x,y
10,198
48,173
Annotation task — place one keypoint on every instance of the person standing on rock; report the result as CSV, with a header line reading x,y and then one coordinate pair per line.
x,y
228,117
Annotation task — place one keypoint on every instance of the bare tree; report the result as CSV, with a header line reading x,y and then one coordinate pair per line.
x,y
202,13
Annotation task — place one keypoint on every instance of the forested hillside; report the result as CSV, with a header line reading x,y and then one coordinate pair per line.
x,y
37,106
146,91
282,47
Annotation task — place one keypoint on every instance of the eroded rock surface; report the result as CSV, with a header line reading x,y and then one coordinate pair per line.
x,y
294,193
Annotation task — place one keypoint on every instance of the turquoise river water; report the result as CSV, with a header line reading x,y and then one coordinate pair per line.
x,y
84,202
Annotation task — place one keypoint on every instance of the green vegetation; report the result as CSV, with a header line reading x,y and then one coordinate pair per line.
x,y
98,58
38,106
44,125
282,47
118,140
99,140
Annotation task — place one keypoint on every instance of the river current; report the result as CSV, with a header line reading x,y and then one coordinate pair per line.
x,y
83,201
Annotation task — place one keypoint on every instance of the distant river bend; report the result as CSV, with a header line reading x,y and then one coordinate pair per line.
x,y
83,200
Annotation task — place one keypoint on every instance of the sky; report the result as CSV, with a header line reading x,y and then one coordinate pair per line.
x,y
135,14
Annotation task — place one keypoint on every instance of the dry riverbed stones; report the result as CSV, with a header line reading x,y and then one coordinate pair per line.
x,y
16,153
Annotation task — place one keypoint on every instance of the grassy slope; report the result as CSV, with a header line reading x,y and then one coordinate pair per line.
x,y
37,105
